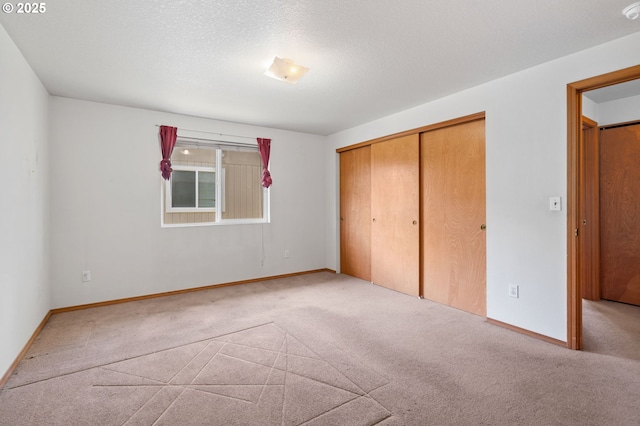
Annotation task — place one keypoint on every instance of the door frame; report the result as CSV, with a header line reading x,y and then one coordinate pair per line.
x,y
574,187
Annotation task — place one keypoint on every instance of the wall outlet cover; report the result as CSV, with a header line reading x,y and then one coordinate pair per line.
x,y
555,204
514,291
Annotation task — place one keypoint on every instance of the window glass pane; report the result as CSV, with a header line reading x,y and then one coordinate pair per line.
x,y
206,189
191,156
183,188
194,185
243,192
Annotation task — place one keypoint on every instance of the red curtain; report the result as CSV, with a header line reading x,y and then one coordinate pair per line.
x,y
168,136
264,146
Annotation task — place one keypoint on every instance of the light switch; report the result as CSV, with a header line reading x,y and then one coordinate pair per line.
x,y
555,204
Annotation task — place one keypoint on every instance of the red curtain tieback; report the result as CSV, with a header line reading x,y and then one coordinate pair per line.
x,y
168,137
264,146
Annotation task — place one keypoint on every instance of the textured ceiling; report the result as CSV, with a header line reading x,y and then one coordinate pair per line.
x,y
367,58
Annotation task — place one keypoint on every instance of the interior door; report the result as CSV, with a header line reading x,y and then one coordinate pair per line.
x,y
589,242
355,212
620,214
453,216
395,211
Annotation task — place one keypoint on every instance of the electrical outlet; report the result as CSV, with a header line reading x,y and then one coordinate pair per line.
x,y
86,276
514,291
286,253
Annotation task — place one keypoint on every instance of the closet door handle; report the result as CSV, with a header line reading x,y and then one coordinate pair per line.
x,y
415,222
374,219
483,227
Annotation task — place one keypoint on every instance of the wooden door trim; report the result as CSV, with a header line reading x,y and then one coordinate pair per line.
x,y
589,122
435,126
574,129
624,123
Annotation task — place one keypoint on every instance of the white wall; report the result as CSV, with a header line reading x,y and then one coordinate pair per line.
x,y
24,230
105,209
526,163
590,109
613,112
619,111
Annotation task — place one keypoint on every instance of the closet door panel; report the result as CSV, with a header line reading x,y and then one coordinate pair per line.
x,y
355,212
620,214
453,216
395,210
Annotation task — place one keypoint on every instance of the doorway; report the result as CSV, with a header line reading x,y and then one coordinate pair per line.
x,y
574,199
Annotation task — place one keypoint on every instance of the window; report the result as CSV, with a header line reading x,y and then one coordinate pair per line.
x,y
214,184
193,189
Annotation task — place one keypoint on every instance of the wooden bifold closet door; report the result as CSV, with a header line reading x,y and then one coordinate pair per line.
x,y
620,214
453,216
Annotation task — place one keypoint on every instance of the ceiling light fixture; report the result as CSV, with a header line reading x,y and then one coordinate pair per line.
x,y
632,11
285,70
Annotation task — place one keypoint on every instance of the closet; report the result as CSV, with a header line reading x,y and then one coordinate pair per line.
x,y
412,212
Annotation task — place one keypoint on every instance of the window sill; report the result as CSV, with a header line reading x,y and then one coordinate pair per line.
x,y
224,222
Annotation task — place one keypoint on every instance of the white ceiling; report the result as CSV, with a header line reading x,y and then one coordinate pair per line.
x,y
367,58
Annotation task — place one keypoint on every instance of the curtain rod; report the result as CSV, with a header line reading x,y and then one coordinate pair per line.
x,y
213,133
214,141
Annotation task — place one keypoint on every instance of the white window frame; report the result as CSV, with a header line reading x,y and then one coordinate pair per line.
x,y
219,146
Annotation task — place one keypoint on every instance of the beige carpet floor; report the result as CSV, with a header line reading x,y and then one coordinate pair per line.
x,y
319,349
